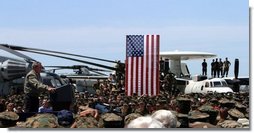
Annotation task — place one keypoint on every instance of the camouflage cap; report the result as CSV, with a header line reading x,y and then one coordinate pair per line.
x,y
111,117
8,115
87,122
245,122
183,104
235,114
206,108
198,116
223,100
240,106
111,120
229,124
162,101
227,103
211,111
42,121
8,119
202,125
214,100
184,120
114,89
131,117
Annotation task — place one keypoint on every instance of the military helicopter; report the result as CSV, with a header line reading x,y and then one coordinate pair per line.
x,y
83,78
81,72
13,71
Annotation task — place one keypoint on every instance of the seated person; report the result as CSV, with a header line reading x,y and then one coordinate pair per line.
x,y
45,108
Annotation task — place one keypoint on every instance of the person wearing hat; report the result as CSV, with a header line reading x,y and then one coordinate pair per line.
x,y
150,108
183,105
141,108
211,111
130,117
8,119
201,125
204,67
112,120
125,110
87,118
132,106
44,120
65,118
87,122
33,86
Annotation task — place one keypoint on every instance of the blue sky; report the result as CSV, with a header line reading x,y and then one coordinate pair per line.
x,y
98,27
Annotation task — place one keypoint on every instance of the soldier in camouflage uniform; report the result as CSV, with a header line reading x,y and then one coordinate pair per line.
x,y
33,87
8,119
130,117
112,120
120,70
41,121
170,83
87,122
141,109
88,119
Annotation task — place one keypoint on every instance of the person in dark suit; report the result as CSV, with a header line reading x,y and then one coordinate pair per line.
x,y
212,68
204,68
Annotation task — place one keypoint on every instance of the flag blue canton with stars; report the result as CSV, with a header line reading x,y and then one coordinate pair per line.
x,y
135,45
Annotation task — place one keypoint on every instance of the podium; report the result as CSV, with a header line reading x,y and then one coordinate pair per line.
x,y
62,98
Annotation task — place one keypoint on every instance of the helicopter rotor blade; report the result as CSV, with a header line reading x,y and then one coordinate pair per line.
x,y
79,67
68,58
62,67
96,69
99,73
51,51
10,50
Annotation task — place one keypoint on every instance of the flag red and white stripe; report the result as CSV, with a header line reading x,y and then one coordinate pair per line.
x,y
142,65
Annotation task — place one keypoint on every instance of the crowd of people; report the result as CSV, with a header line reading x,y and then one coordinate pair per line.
x,y
110,107
219,68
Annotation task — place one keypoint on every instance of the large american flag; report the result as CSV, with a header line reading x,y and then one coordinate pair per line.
x,y
142,65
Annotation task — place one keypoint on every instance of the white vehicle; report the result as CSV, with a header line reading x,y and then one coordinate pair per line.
x,y
217,85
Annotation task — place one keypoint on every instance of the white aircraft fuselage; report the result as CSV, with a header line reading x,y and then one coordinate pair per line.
x,y
217,85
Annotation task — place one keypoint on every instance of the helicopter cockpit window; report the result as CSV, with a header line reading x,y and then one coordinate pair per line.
x,y
217,84
53,83
224,84
206,84
56,82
